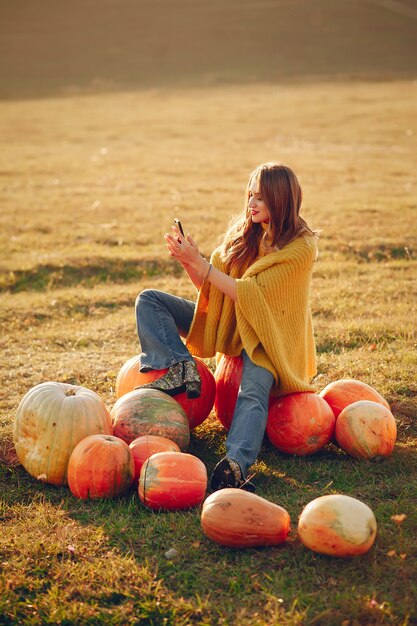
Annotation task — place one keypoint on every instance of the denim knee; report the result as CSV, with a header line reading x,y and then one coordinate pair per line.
x,y
145,296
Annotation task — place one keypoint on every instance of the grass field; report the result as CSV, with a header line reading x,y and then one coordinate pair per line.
x,y
89,184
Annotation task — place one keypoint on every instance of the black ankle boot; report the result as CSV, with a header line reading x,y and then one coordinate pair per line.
x,y
171,383
227,473
192,380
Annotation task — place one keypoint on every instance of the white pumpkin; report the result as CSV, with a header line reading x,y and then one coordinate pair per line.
x,y
51,419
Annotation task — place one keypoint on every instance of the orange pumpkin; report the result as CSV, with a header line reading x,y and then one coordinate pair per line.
x,y
337,525
341,393
145,446
150,412
172,481
300,423
51,419
239,519
228,375
366,430
196,409
100,466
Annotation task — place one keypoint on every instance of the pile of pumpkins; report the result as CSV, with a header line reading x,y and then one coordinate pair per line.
x,y
64,434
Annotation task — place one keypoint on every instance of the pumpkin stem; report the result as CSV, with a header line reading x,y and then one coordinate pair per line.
x,y
70,392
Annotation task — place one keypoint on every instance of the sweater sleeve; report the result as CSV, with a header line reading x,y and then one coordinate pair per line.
x,y
274,320
271,319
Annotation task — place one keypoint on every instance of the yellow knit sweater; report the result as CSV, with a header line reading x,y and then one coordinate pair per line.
x,y
271,319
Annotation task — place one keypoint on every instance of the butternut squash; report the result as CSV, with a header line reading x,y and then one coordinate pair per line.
x,y
239,519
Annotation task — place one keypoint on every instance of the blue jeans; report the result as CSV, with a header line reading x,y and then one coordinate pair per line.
x,y
161,318
246,433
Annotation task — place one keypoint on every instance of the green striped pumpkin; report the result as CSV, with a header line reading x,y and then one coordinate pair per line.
x,y
150,412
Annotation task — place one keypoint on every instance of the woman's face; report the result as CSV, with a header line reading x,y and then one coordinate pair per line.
x,y
256,206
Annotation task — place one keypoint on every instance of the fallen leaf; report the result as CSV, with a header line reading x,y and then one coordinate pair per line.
x,y
391,553
398,519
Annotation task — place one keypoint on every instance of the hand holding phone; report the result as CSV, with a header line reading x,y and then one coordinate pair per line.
x,y
179,226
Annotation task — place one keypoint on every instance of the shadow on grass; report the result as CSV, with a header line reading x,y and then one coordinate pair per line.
x,y
88,272
92,271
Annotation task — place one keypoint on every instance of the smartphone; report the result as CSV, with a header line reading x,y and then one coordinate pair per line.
x,y
179,226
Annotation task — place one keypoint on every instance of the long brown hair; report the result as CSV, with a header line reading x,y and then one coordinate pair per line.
x,y
281,192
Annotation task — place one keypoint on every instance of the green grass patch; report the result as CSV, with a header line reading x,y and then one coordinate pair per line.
x,y
380,252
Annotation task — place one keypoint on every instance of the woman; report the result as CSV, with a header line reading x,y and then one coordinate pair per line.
x,y
253,300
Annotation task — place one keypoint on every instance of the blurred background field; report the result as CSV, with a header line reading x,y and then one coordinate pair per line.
x,y
48,47
116,117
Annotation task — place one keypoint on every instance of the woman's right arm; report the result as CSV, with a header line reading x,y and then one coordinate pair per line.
x,y
174,242
186,251
194,275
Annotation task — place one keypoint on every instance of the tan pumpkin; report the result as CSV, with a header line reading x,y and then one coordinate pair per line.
x,y
366,430
239,519
337,525
51,419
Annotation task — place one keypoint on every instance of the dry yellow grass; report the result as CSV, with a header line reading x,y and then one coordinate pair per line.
x,y
94,182
89,185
